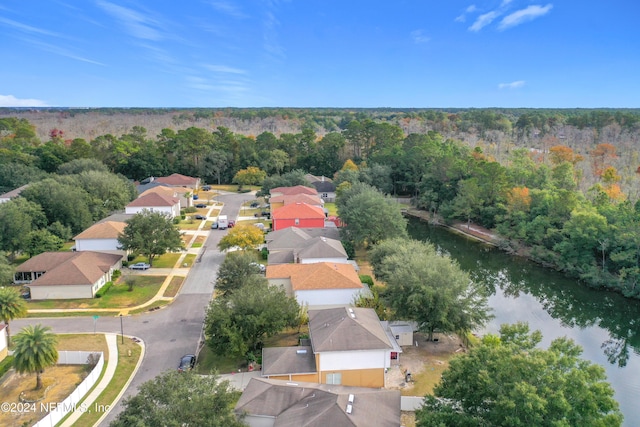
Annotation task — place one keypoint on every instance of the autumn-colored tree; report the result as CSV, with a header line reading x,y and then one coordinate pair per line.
x,y
249,176
615,192
610,176
349,165
561,153
518,199
243,236
601,158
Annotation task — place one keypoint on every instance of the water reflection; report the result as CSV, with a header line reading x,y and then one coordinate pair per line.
x,y
565,300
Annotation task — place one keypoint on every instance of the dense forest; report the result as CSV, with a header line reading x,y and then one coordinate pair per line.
x,y
561,184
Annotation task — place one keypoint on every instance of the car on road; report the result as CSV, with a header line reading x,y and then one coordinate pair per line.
x,y
214,226
187,363
195,197
254,205
140,266
262,267
232,223
206,187
200,217
201,205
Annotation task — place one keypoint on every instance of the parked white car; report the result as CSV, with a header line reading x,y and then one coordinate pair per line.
x,y
140,266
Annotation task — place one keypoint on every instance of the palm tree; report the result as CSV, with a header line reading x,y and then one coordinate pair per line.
x,y
12,306
35,350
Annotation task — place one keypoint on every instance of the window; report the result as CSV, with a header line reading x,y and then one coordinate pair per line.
x,y
334,378
297,221
397,337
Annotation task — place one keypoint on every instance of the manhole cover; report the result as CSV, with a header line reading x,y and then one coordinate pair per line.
x,y
145,321
173,340
183,320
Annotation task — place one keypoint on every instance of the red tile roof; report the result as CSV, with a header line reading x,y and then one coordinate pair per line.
x,y
298,210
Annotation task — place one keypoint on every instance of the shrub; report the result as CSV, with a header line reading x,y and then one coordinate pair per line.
x,y
116,275
190,209
176,220
365,278
131,257
5,365
103,290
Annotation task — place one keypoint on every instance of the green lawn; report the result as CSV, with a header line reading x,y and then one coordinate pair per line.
x,y
209,362
174,286
189,259
167,260
128,355
331,207
118,296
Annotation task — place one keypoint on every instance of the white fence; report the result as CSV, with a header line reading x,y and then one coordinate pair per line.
x,y
71,403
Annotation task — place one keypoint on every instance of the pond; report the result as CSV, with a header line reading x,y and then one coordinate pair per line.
x,y
605,324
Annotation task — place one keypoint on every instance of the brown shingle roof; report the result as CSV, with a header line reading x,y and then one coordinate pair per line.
x,y
69,268
310,405
321,275
296,189
154,199
178,179
103,230
346,329
298,210
288,199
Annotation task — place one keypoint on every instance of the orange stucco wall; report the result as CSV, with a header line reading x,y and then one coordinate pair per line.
x,y
359,378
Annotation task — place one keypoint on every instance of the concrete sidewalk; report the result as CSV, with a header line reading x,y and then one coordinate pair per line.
x,y
112,363
177,270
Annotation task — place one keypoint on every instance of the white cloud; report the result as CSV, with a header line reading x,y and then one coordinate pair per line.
x,y
12,101
418,37
484,20
228,8
470,9
224,69
136,23
27,28
505,3
524,15
513,85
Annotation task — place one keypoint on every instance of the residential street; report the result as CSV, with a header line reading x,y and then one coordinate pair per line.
x,y
170,332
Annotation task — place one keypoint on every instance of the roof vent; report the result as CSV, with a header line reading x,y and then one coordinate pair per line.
x,y
302,351
351,397
353,315
349,409
350,310
292,383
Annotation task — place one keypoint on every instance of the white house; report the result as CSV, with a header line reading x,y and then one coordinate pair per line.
x,y
319,285
12,194
351,346
155,202
101,237
67,275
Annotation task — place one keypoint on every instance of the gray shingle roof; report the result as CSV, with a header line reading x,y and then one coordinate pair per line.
x,y
288,360
346,329
311,405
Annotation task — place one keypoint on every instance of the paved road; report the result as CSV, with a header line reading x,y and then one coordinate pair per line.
x,y
168,333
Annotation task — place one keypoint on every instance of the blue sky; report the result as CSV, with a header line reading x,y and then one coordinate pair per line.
x,y
320,53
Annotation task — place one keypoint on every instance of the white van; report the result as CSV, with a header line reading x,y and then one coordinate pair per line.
x,y
223,222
